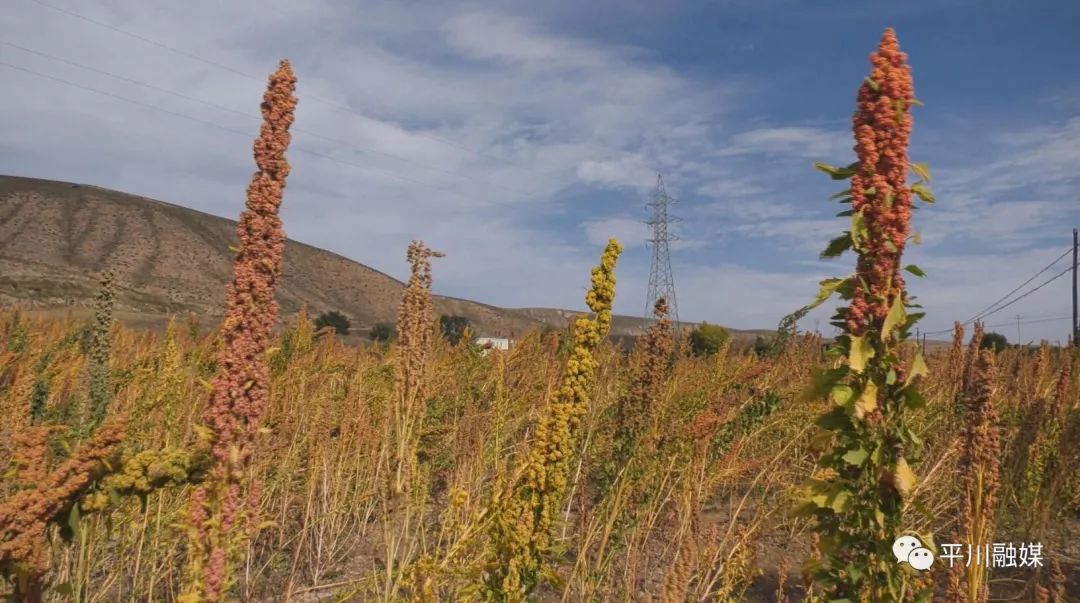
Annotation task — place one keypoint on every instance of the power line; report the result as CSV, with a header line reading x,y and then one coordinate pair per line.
x,y
1052,279
995,311
987,311
232,130
219,65
1021,286
214,105
1028,322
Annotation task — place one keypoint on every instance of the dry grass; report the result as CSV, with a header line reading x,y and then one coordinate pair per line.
x,y
718,464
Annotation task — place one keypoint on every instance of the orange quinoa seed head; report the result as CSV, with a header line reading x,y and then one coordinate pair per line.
x,y
882,127
241,387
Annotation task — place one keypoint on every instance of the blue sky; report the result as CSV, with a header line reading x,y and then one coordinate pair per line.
x,y
517,136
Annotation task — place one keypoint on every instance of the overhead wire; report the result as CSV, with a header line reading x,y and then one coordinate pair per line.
x,y
1021,286
997,308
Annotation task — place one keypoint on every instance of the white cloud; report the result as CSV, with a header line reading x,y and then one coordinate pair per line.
x,y
630,232
626,170
791,141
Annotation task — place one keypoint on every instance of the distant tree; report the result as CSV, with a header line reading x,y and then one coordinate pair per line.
x,y
762,346
994,341
382,332
708,339
334,319
453,327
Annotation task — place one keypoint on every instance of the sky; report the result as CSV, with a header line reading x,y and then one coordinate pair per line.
x,y
517,137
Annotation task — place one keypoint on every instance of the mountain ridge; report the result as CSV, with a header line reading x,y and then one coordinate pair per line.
x,y
56,237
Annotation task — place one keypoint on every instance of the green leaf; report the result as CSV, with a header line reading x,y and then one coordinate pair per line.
x,y
856,457
842,194
845,213
922,170
861,352
839,500
913,318
828,286
895,317
822,383
917,102
912,268
873,85
73,520
923,193
841,394
835,420
837,246
858,228
918,368
835,172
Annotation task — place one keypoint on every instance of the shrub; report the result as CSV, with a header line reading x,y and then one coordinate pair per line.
x,y
334,319
382,332
453,327
707,339
994,341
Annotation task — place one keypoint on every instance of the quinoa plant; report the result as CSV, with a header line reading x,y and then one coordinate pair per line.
x,y
222,512
980,474
101,353
864,483
526,514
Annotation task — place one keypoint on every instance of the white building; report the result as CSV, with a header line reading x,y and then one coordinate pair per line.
x,y
495,343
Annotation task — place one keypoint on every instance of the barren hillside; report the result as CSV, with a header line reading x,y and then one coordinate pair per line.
x,y
55,238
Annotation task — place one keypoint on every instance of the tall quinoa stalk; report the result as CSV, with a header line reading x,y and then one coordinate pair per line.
x,y
101,354
980,470
863,483
416,331
525,513
636,411
404,498
220,508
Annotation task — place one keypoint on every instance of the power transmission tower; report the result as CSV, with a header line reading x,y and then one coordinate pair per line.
x,y
661,280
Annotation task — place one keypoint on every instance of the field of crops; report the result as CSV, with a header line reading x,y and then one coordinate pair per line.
x,y
243,462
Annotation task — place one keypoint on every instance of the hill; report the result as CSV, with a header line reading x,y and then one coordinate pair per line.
x,y
56,238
